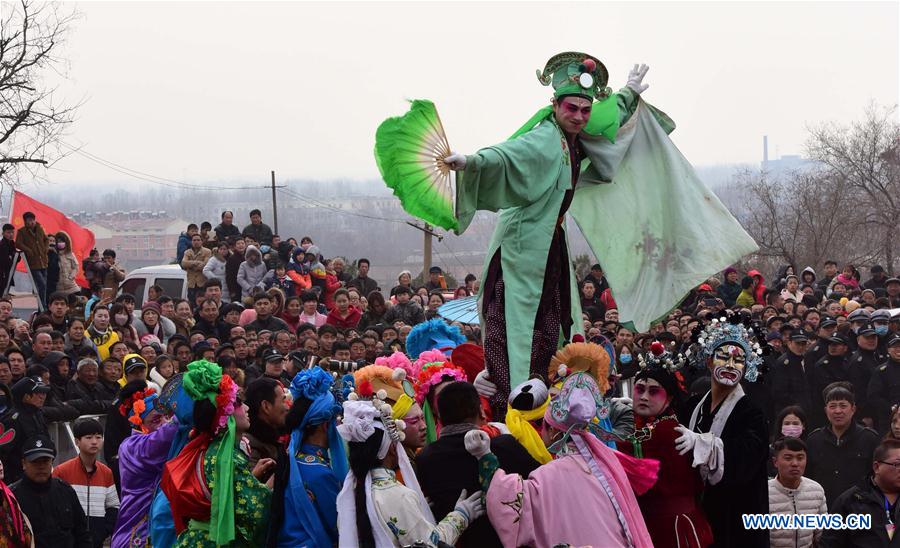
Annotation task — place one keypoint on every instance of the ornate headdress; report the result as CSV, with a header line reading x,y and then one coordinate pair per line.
x,y
362,417
581,357
664,367
137,405
399,391
433,334
734,329
576,73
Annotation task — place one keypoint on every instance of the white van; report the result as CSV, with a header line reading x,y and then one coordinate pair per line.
x,y
170,277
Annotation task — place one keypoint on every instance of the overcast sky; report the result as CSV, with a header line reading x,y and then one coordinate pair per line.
x,y
215,91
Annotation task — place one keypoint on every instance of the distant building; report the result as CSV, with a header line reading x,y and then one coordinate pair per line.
x,y
138,238
786,164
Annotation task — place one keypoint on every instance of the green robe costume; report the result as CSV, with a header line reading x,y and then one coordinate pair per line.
x,y
526,179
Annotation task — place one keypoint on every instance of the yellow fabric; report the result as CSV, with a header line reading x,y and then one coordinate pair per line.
x,y
401,407
519,426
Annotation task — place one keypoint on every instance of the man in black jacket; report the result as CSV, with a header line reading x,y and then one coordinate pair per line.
x,y
864,361
29,395
833,367
819,348
840,454
7,254
789,379
445,467
362,281
876,497
52,506
884,386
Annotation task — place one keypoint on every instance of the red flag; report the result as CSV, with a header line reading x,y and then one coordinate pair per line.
x,y
53,221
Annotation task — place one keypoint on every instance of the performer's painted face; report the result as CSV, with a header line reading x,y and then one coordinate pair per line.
x,y
728,364
572,113
650,398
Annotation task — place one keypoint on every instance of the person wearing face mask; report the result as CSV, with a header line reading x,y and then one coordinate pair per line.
x,y
121,323
884,386
670,509
68,265
727,434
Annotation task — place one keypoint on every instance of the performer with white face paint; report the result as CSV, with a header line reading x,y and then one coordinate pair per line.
x,y
727,434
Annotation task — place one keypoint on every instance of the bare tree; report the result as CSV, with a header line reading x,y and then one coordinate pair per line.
x,y
32,119
806,218
864,154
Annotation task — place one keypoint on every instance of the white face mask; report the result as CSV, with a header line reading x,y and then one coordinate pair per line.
x,y
121,319
792,430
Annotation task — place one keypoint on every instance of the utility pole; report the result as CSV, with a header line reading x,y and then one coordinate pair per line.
x,y
428,232
274,205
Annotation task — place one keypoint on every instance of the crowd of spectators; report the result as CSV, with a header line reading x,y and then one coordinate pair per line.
x,y
264,308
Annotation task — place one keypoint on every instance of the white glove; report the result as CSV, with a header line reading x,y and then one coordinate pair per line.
x,y
456,161
483,384
472,507
685,444
636,78
478,443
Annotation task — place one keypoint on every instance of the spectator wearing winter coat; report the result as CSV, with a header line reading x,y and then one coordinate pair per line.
x,y
216,268
232,265
407,311
184,241
730,289
298,270
258,230
92,480
847,277
781,275
114,274
878,279
52,506
193,261
745,298
841,452
791,493
759,287
792,289
226,229
7,254
68,265
808,277
789,378
251,272
880,487
277,277
152,322
27,419
362,281
32,240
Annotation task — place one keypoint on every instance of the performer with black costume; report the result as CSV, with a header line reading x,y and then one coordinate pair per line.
x,y
728,436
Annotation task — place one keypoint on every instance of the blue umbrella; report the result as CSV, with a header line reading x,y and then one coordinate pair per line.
x,y
464,310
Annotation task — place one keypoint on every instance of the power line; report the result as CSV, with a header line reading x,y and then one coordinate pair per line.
x,y
444,241
171,183
299,196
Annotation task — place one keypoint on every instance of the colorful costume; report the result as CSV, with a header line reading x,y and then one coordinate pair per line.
x,y
649,228
176,401
671,507
214,497
399,514
141,459
541,510
316,473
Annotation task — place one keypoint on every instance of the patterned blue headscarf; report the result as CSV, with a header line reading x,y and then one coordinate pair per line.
x,y
301,521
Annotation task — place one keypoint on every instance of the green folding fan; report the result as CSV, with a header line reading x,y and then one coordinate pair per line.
x,y
410,152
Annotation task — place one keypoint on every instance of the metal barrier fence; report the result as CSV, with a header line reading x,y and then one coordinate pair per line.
x,y
64,439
